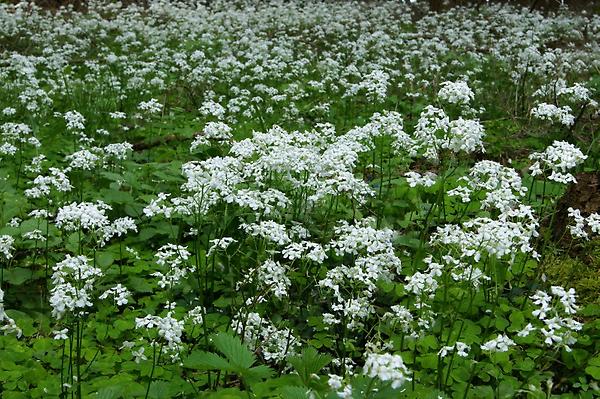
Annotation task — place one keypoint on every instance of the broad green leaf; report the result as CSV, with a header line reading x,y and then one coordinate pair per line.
x,y
17,275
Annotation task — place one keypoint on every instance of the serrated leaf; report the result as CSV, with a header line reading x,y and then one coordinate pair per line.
x,y
160,389
308,362
111,392
290,392
258,373
201,360
233,349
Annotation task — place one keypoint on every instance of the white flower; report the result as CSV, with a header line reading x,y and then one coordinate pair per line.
x,y
272,276
168,328
196,315
212,108
529,328
119,294
118,151
174,259
416,179
73,282
558,158
551,112
257,332
61,334
7,324
151,106
218,131
83,159
500,344
456,92
6,246
75,121
386,367
138,355
42,185
220,243
269,230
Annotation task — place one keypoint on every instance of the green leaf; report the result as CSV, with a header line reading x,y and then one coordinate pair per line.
x,y
309,362
17,275
594,371
258,373
104,259
160,389
110,392
201,360
593,368
290,392
234,350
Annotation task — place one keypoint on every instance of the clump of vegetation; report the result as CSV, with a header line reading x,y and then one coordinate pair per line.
x,y
299,199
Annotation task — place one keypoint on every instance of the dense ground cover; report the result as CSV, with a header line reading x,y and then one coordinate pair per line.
x,y
298,199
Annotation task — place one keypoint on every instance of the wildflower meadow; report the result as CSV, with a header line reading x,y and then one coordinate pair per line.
x,y
299,199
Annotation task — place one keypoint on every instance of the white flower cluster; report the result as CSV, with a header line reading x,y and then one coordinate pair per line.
x,y
75,121
196,315
552,113
168,328
43,184
578,93
374,260
82,160
387,367
259,333
92,218
558,159
6,246
305,249
317,162
336,383
158,207
556,311
501,343
374,84
118,151
425,283
512,232
119,293
578,230
14,136
151,106
7,324
400,316
457,92
461,349
174,258
271,275
212,108
501,185
268,230
220,244
73,282
415,179
435,132
217,131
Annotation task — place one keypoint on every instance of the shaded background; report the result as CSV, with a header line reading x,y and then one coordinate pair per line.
x,y
592,6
